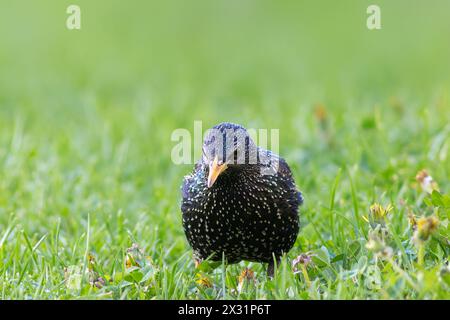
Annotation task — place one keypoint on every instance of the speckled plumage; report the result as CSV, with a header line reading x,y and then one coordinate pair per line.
x,y
245,214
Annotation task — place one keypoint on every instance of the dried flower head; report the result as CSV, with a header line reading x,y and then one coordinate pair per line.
x,y
305,259
93,272
91,261
246,274
97,282
378,214
426,226
412,221
204,281
426,181
135,257
246,277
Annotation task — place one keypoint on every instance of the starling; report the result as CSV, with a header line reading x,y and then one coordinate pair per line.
x,y
240,202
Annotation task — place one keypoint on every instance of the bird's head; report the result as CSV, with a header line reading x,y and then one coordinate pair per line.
x,y
227,146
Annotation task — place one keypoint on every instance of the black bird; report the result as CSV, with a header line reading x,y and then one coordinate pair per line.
x,y
240,202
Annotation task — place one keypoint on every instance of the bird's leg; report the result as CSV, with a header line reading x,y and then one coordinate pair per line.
x,y
270,269
271,266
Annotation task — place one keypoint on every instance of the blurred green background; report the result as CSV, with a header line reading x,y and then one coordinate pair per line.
x,y
214,60
86,115
227,56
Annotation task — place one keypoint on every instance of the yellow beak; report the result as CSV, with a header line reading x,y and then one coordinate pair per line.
x,y
214,171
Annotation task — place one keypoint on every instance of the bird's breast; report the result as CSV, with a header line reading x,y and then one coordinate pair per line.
x,y
244,220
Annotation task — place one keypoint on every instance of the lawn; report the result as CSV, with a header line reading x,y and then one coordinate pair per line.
x,y
89,195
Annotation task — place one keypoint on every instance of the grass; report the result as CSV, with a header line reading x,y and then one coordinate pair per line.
x,y
85,124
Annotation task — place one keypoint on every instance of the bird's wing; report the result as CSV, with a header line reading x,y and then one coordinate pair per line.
x,y
275,164
279,165
187,188
286,174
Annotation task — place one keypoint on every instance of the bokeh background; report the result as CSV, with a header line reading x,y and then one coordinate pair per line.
x,y
86,115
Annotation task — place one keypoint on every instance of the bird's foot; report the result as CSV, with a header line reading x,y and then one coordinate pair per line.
x,y
271,267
